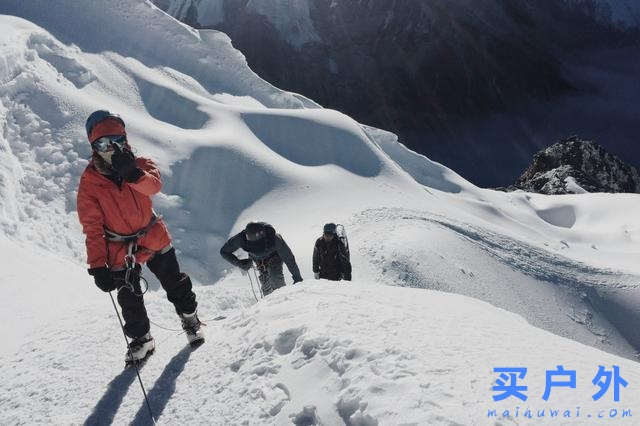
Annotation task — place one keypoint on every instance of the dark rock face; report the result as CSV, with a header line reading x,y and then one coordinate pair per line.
x,y
476,85
575,166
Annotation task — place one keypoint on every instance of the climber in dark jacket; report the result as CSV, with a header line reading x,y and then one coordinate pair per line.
x,y
267,250
331,256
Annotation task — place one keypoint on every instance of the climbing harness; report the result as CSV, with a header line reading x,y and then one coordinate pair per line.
x,y
130,258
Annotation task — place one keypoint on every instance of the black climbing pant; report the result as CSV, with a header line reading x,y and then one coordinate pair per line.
x,y
177,285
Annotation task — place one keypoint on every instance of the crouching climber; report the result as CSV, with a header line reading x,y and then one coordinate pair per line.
x,y
267,249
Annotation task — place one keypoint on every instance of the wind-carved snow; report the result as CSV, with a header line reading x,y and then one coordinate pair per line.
x,y
42,160
553,288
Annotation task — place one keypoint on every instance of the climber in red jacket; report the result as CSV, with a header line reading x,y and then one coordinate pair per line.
x,y
123,232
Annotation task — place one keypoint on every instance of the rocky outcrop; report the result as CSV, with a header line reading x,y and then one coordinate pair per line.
x,y
576,166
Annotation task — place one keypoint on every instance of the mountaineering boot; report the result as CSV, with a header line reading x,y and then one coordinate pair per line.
x,y
192,326
140,348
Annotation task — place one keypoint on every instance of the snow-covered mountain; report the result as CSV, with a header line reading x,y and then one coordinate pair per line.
x,y
575,166
234,148
479,86
292,17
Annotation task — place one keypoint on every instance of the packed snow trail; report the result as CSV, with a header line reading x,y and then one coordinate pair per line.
x,y
595,306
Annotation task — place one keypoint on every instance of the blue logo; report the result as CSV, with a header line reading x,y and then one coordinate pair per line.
x,y
511,383
507,383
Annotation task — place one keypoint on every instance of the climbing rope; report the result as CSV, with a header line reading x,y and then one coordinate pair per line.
x,y
252,289
255,274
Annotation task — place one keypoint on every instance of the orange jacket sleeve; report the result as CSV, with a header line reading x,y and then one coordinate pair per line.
x,y
150,182
92,220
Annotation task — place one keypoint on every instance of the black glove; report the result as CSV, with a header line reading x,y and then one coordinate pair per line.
x,y
102,277
245,264
296,279
124,163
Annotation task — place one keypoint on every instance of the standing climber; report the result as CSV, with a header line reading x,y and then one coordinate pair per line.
x,y
267,250
123,232
331,256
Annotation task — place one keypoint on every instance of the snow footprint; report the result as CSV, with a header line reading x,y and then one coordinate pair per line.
x,y
286,341
307,417
352,410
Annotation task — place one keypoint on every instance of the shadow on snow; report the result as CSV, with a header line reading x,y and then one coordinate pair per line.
x,y
159,395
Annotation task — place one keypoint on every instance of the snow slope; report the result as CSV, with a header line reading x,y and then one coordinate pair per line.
x,y
233,148
314,354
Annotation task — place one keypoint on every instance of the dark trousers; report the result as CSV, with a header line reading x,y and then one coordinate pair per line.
x,y
270,275
332,275
177,285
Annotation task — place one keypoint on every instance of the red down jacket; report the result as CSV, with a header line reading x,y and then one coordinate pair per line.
x,y
125,210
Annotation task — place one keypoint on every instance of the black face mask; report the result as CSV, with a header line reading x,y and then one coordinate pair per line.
x,y
254,236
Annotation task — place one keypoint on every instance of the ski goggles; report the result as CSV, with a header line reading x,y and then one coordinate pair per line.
x,y
105,143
